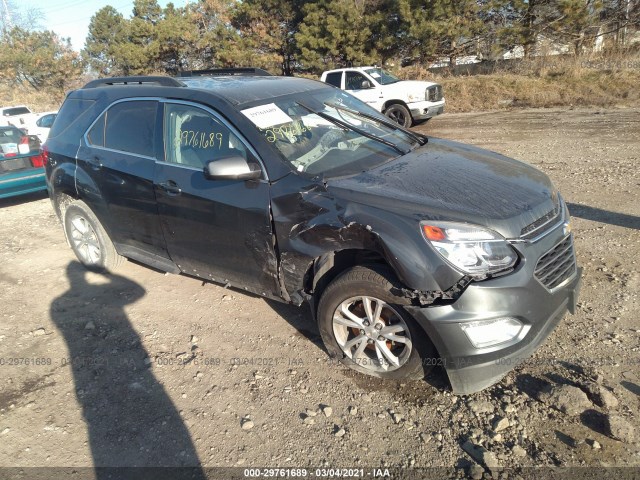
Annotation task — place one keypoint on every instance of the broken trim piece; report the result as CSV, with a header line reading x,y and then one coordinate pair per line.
x,y
425,299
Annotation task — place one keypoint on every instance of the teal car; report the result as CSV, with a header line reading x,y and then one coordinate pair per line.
x,y
21,163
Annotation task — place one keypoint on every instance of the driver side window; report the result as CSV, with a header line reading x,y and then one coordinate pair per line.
x,y
194,137
355,81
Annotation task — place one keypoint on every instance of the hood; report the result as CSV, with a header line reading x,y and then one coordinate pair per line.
x,y
445,180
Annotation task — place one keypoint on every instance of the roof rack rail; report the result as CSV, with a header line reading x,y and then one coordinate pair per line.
x,y
226,72
136,80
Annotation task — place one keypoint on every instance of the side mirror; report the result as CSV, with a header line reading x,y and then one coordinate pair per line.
x,y
232,168
366,84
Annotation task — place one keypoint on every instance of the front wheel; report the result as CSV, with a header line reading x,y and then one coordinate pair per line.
x,y
88,238
364,324
399,114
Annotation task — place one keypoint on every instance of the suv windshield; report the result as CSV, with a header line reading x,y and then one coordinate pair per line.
x,y
382,76
329,132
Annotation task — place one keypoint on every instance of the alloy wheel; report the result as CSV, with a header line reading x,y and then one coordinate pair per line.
x,y
372,334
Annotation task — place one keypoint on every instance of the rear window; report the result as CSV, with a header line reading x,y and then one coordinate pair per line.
x,y
10,134
9,112
73,109
334,79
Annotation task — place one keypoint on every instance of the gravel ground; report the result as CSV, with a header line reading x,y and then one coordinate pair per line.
x,y
143,368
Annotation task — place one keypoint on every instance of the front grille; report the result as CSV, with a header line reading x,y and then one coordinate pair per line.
x,y
434,93
546,221
558,264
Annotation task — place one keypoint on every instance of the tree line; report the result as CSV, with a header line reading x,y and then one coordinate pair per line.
x,y
308,36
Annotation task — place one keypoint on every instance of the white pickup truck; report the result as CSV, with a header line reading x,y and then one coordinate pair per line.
x,y
404,101
18,116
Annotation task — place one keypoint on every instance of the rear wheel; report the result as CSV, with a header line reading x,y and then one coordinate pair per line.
x,y
399,114
88,239
364,324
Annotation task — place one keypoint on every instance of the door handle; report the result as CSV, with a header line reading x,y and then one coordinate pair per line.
x,y
170,187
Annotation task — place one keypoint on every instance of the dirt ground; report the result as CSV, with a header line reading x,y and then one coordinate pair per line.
x,y
143,368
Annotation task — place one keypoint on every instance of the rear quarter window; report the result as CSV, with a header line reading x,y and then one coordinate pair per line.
x,y
73,110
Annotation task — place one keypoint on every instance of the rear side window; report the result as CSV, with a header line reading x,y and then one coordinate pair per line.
x,y
127,127
334,79
72,111
8,112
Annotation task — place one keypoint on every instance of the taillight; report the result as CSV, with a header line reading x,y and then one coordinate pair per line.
x,y
38,160
44,153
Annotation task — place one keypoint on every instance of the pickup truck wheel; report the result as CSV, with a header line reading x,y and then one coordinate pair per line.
x,y
88,239
364,325
399,114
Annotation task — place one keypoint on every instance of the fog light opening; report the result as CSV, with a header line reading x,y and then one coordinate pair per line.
x,y
488,333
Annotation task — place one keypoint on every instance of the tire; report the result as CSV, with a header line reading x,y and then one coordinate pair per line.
x,y
399,114
88,238
340,332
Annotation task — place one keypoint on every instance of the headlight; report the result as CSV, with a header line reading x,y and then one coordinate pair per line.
x,y
471,249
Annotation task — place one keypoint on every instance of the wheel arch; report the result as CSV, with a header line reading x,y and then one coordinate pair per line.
x,y
396,101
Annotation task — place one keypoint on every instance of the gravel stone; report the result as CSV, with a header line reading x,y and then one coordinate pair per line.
x,y
567,399
247,424
481,455
518,451
500,423
619,428
480,406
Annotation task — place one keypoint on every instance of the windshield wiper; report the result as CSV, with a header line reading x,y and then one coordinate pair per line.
x,y
348,126
422,140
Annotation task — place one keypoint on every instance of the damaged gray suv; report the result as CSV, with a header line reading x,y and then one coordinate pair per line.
x,y
412,251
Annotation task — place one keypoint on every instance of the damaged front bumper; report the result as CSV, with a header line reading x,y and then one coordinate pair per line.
x,y
519,295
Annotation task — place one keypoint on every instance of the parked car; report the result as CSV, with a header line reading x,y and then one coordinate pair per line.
x,y
404,101
40,126
18,116
21,163
412,251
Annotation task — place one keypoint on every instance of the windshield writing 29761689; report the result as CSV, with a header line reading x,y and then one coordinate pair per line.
x,y
288,131
197,139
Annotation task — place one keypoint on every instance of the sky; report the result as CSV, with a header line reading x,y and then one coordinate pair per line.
x,y
70,18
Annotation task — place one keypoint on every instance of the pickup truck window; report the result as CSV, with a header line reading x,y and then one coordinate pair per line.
x,y
335,79
354,81
9,112
316,144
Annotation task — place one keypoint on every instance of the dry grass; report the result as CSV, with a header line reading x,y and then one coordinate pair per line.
x,y
37,101
598,81
577,81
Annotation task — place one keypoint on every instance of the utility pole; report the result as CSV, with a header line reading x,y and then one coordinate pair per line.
x,y
6,24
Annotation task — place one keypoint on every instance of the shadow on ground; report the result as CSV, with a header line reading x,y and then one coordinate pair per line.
x,y
131,419
20,199
604,216
302,320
